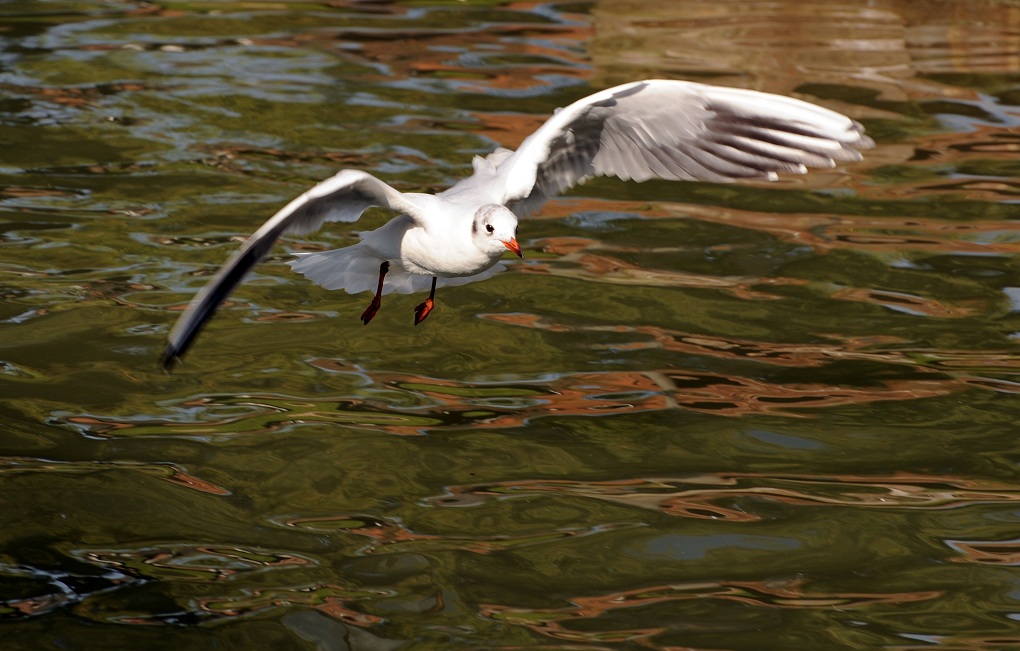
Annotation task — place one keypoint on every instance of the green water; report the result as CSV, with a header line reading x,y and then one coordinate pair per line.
x,y
696,416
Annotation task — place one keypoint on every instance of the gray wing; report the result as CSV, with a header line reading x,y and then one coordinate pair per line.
x,y
339,198
673,130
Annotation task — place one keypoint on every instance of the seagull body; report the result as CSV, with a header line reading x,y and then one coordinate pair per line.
x,y
673,130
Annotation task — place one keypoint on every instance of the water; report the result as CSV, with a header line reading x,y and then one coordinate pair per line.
x,y
695,416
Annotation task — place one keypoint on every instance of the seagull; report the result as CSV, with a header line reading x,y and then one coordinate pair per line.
x,y
652,129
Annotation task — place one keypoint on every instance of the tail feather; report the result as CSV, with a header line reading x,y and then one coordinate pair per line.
x,y
351,269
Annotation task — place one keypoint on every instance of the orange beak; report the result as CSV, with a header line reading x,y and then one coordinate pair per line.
x,y
513,246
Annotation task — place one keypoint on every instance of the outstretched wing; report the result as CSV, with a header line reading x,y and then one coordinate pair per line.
x,y
341,198
673,130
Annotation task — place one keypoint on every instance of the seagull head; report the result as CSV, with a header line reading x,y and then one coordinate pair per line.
x,y
494,230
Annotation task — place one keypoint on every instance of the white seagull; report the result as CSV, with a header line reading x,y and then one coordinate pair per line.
x,y
653,129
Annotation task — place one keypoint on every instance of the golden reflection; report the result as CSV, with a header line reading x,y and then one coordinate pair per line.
x,y
563,623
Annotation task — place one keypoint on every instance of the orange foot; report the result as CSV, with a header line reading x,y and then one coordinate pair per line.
x,y
423,310
370,311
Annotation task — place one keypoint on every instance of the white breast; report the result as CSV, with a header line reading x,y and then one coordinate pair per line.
x,y
450,254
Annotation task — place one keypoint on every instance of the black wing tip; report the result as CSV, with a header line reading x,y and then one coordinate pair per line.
x,y
170,357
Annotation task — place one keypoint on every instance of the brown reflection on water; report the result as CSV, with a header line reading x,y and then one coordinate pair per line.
x,y
236,158
165,471
564,623
330,599
962,364
221,566
738,497
738,396
987,552
963,643
406,404
887,235
581,394
586,259
60,596
908,303
436,404
76,96
192,563
894,46
436,44
381,532
391,536
554,54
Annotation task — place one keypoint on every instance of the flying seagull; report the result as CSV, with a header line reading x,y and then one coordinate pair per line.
x,y
653,129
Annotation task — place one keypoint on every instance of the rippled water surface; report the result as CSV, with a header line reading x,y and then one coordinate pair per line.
x,y
696,416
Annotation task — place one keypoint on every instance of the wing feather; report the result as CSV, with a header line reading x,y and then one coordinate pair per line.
x,y
672,130
343,197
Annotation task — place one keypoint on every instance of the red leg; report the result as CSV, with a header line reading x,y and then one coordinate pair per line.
x,y
373,307
423,310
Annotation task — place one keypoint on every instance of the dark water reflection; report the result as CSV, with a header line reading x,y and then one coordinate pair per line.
x,y
696,416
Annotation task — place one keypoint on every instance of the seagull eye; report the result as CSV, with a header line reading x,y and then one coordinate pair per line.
x,y
489,228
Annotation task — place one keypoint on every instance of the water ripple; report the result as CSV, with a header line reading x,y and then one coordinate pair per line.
x,y
740,497
165,471
574,623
